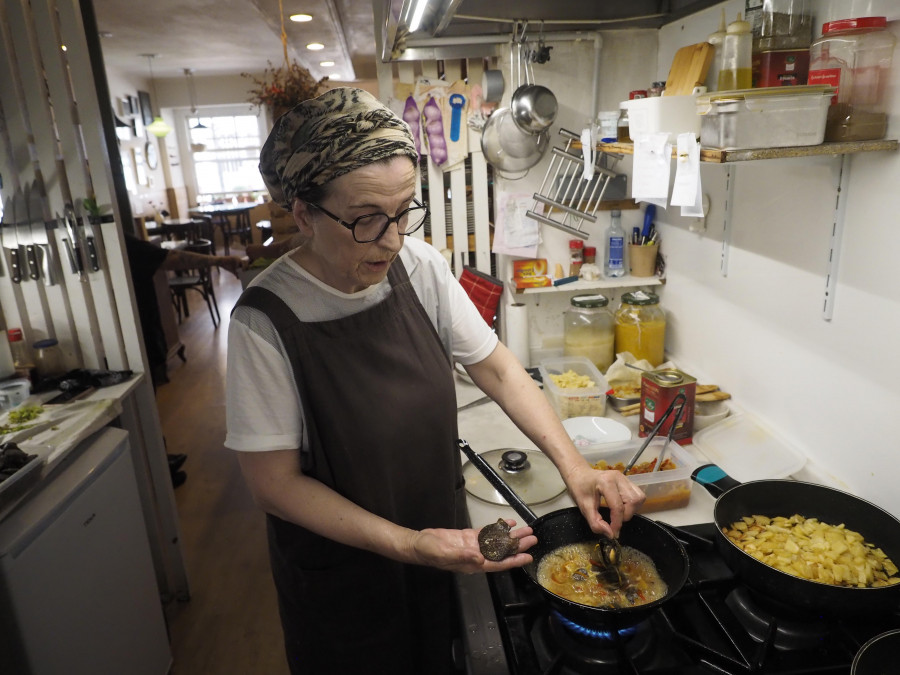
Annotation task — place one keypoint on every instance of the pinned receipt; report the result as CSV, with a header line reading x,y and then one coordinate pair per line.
x,y
686,191
652,165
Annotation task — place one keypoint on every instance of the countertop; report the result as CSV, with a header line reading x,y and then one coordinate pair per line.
x,y
486,427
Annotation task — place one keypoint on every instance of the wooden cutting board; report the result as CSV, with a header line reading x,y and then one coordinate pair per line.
x,y
689,69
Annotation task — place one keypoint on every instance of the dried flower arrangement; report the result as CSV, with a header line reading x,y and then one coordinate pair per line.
x,y
285,86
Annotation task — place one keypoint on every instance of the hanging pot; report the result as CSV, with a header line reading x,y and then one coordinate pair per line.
x,y
533,106
508,149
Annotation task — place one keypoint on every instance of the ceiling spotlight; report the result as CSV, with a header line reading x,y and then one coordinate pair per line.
x,y
301,18
326,64
315,46
105,34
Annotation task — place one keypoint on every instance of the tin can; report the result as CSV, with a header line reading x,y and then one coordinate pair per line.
x,y
658,389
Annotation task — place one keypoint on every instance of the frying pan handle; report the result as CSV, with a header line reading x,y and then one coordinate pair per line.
x,y
494,479
714,479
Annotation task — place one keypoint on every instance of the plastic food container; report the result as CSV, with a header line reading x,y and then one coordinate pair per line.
x,y
664,489
770,117
854,55
672,114
574,401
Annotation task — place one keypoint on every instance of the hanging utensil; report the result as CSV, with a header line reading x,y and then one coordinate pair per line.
x,y
534,107
8,234
44,261
26,240
72,248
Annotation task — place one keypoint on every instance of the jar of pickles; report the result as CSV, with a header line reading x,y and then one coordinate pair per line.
x,y
589,330
641,327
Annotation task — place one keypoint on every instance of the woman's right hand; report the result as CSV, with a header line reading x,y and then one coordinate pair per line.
x,y
458,550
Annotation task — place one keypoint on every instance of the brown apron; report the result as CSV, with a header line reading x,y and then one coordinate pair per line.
x,y
380,408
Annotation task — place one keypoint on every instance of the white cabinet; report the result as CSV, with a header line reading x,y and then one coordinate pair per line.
x,y
77,588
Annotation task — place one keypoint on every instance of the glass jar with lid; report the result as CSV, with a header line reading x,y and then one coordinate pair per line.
x,y
589,330
641,327
48,359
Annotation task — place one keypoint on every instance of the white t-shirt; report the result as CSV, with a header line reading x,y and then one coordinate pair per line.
x,y
263,410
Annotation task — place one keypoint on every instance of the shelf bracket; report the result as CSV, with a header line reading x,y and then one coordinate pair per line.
x,y
841,183
730,180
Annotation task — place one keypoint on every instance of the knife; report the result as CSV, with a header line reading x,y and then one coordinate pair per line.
x,y
23,234
86,242
44,263
71,243
8,233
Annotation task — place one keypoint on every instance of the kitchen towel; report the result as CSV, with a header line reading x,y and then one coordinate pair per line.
x,y
517,339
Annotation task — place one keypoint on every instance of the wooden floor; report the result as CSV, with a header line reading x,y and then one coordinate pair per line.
x,y
230,625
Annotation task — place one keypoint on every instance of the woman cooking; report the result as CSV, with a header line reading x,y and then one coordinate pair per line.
x,y
342,403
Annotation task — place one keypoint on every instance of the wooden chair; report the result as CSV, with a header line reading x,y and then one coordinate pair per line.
x,y
198,280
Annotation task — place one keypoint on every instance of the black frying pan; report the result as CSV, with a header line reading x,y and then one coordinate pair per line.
x,y
785,498
568,526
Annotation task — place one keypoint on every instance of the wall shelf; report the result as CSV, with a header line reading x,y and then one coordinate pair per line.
x,y
583,286
713,156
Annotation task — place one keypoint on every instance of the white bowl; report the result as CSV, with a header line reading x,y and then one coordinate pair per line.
x,y
587,432
709,412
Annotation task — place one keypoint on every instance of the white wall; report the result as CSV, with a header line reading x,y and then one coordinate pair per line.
x,y
831,388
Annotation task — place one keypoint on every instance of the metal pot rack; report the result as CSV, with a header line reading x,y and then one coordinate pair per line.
x,y
571,200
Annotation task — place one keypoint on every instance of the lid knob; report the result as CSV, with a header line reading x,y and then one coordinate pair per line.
x,y
514,461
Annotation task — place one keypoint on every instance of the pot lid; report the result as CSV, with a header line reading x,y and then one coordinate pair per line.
x,y
529,473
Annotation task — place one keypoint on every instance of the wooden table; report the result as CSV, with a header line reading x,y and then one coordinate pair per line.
x,y
219,217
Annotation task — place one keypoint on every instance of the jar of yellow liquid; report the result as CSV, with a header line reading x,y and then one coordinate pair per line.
x,y
641,327
589,330
736,71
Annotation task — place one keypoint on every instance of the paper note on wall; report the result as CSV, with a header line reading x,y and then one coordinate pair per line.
x,y
687,191
652,166
515,233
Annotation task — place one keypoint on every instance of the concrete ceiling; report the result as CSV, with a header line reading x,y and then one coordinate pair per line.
x,y
226,37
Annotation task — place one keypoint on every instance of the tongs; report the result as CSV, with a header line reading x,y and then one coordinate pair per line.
x,y
656,428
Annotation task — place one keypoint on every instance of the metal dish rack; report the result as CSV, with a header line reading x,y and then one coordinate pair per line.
x,y
570,199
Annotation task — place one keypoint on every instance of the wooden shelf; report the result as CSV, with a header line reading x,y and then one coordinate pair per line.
x,y
581,285
712,156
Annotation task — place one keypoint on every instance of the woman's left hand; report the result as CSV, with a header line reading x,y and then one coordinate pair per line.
x,y
458,551
587,485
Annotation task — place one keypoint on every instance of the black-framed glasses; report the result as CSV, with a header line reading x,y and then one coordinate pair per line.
x,y
372,226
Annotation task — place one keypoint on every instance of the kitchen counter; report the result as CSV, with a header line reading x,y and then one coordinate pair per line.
x,y
486,427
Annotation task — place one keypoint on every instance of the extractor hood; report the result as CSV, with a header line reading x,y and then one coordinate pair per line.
x,y
472,28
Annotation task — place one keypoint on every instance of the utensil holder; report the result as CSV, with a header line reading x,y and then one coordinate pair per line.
x,y
643,260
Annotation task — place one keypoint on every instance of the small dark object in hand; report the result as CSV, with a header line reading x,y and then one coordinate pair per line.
x,y
12,458
495,542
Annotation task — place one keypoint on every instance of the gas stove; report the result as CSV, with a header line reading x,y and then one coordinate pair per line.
x,y
714,625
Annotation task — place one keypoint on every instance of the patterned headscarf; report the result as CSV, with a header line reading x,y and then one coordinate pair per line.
x,y
325,137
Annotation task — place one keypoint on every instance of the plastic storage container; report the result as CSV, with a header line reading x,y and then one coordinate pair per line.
x,y
589,330
574,401
641,327
772,117
854,55
670,489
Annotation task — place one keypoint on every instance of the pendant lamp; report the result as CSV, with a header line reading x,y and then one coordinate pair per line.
x,y
158,126
192,93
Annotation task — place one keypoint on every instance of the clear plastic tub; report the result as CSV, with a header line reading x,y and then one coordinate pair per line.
x,y
770,117
665,490
574,401
854,55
